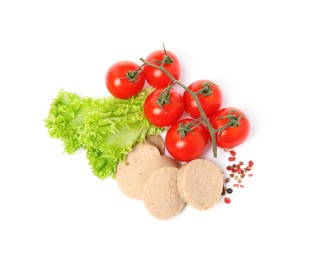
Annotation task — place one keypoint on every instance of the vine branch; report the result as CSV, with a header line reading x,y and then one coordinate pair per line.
x,y
233,120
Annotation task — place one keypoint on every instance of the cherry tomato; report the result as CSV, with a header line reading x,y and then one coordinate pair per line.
x,y
210,98
157,78
123,81
188,147
164,114
232,135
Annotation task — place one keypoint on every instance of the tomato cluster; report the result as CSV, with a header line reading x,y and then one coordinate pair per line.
x,y
186,139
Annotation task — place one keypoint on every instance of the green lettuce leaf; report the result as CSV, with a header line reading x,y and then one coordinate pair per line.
x,y
108,128
65,119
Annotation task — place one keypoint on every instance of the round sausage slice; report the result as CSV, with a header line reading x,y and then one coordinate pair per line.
x,y
160,194
200,183
157,141
129,173
157,163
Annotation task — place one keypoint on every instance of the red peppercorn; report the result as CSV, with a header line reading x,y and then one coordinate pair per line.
x,y
234,170
231,159
250,163
229,168
248,168
227,200
232,152
250,174
241,186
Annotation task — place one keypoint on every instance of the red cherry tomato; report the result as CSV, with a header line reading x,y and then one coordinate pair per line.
x,y
164,115
157,78
122,80
232,135
210,98
189,147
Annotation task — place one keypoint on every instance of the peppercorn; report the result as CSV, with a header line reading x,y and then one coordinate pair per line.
x,y
227,180
227,200
229,190
232,152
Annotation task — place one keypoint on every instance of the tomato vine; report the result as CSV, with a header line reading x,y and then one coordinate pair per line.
x,y
233,120
204,118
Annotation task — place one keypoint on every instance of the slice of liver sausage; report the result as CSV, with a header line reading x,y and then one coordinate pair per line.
x,y
200,183
130,172
160,194
157,163
157,141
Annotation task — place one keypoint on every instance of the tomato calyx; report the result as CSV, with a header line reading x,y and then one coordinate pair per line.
x,y
206,89
166,58
132,75
184,129
164,98
233,121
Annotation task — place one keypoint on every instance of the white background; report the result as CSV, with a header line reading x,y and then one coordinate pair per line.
x,y
261,53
